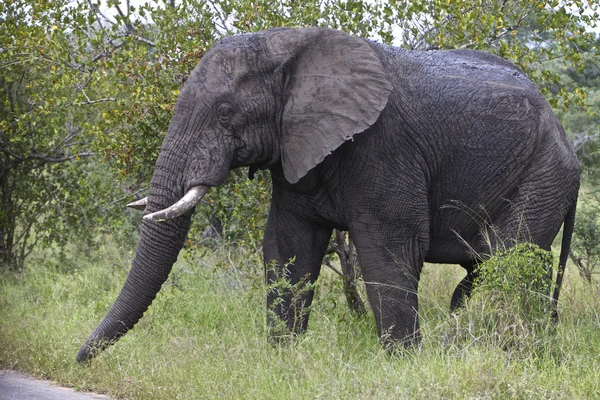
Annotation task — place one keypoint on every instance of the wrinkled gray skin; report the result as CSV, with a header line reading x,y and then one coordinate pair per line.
x,y
452,150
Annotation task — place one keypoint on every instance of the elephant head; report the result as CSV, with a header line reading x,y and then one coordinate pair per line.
x,y
285,97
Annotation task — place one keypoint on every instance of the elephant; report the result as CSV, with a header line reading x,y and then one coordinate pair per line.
x,y
423,156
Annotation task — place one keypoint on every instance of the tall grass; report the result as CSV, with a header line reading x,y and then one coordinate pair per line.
x,y
204,337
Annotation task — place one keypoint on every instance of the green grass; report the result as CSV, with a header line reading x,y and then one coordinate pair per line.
x,y
204,337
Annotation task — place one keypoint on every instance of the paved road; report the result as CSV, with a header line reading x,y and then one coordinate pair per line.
x,y
16,386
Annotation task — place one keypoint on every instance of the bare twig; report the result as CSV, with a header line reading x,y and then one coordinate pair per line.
x,y
44,158
57,159
89,102
64,142
334,269
128,24
143,40
96,9
218,10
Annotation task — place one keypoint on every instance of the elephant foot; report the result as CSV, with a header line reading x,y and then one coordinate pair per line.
x,y
401,347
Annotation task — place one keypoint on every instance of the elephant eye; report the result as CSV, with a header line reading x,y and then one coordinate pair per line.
x,y
224,113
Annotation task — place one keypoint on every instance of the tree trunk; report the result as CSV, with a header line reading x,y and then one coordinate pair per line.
x,y
2,215
350,270
7,220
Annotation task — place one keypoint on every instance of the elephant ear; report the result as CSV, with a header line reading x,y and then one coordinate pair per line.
x,y
334,87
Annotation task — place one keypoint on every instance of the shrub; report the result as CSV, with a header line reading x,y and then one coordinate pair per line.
x,y
510,306
286,296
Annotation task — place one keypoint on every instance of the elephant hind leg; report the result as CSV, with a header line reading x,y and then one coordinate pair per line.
x,y
464,288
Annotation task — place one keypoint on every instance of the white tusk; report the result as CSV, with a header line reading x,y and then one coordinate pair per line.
x,y
186,203
139,204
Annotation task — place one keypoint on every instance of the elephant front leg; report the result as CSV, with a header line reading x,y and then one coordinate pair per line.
x,y
391,272
293,252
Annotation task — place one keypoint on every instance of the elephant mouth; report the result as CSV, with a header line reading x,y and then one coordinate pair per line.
x,y
180,207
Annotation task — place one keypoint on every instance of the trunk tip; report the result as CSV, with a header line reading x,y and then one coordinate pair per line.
x,y
85,355
89,350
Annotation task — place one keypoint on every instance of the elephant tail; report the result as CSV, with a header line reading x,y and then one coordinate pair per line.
x,y
565,247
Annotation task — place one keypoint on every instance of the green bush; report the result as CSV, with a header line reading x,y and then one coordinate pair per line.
x,y
521,272
283,288
510,306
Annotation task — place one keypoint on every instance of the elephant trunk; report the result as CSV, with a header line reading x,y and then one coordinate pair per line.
x,y
158,248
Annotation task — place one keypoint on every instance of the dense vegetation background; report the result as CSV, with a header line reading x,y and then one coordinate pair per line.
x,y
87,89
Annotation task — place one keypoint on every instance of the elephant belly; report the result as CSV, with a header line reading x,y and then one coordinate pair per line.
x,y
448,254
460,231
